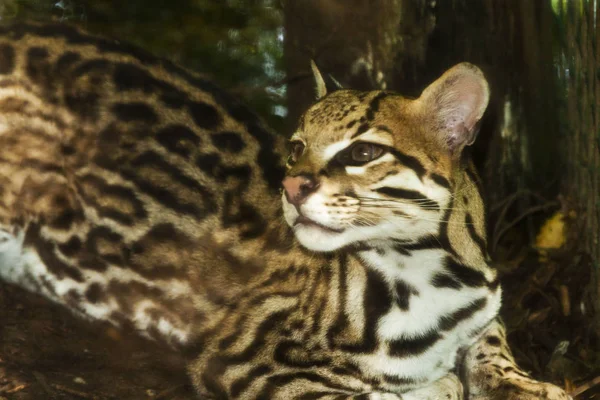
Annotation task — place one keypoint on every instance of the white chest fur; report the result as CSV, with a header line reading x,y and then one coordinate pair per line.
x,y
428,324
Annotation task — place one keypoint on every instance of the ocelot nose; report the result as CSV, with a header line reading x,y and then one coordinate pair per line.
x,y
298,188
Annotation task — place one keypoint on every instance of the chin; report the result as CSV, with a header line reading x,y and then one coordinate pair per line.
x,y
318,239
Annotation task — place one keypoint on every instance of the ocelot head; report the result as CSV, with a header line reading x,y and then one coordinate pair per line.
x,y
367,167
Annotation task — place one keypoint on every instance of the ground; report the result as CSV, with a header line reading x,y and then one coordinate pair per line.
x,y
46,353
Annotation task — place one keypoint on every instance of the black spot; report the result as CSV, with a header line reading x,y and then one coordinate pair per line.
x,y
85,68
131,77
472,174
374,105
135,112
399,380
37,66
66,218
440,180
123,199
228,141
178,139
295,354
98,255
442,236
449,322
400,249
214,386
209,163
408,161
441,280
377,301
165,232
269,161
466,275
67,150
7,58
351,124
82,102
384,128
420,199
204,115
361,129
479,240
237,212
403,293
146,253
425,243
47,253
168,198
173,100
413,346
66,61
94,293
493,341
241,384
71,247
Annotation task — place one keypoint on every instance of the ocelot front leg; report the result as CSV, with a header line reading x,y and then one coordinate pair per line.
x,y
490,372
448,387
304,386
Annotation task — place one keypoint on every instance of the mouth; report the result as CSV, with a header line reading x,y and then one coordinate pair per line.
x,y
302,220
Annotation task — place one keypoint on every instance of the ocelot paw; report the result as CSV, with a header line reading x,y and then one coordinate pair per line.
x,y
445,388
524,390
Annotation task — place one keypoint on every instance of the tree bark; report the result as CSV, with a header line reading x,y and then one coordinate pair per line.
x,y
360,43
578,72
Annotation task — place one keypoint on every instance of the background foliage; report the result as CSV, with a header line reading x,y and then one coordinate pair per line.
x,y
239,43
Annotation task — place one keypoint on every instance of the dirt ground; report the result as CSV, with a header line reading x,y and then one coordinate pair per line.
x,y
48,354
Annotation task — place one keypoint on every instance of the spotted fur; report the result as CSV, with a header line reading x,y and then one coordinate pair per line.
x,y
136,192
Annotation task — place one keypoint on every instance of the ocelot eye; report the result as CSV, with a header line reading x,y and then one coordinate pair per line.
x,y
296,151
360,153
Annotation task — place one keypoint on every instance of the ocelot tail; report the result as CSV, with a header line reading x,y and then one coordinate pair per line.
x,y
136,192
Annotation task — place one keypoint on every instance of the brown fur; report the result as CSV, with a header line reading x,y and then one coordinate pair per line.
x,y
145,196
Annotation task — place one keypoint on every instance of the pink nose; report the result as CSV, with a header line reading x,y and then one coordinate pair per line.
x,y
298,188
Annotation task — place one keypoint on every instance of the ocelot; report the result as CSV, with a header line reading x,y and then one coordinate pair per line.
x,y
137,192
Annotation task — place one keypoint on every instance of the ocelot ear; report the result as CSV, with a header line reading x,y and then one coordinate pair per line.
x,y
319,81
457,101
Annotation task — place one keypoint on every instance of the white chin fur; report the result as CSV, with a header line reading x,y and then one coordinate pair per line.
x,y
312,237
322,240
317,239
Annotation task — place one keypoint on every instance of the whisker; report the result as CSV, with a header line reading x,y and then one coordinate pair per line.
x,y
397,207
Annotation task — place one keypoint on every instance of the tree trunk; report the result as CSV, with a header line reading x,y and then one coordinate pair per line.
x,y
578,62
360,43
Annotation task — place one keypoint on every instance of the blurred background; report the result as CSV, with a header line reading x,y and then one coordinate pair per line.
x,y
538,151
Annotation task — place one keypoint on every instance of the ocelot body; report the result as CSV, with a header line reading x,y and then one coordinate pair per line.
x,y
136,192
